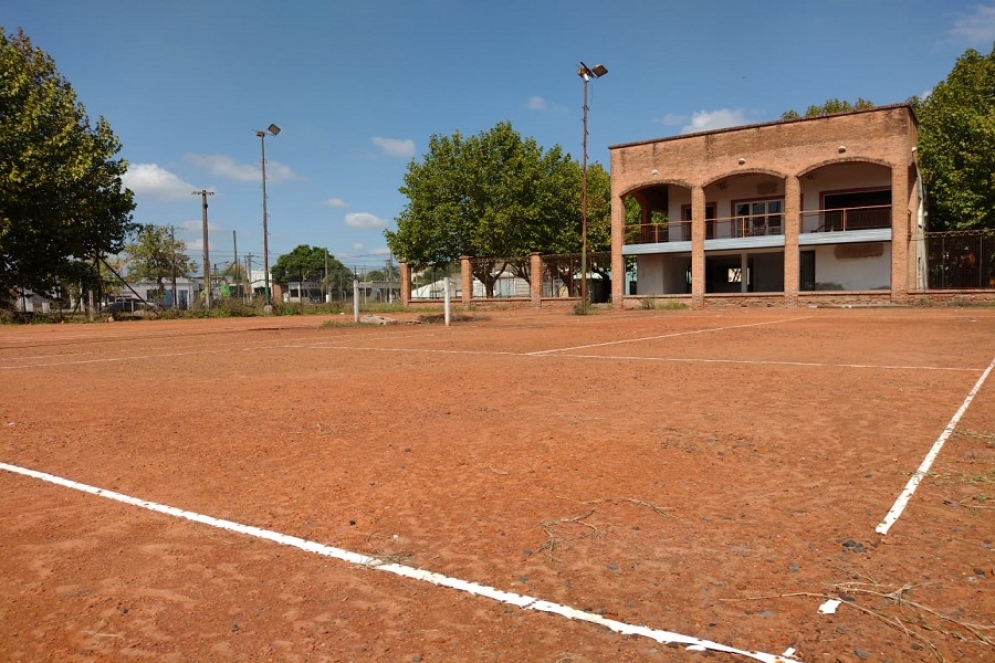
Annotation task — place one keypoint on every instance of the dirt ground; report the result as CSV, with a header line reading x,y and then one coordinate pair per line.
x,y
718,474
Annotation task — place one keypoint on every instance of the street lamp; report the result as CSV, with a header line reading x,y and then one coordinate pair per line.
x,y
586,73
274,130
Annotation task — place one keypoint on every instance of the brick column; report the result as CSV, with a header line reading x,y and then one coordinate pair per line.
x,y
697,247
618,240
899,234
405,270
535,269
466,280
792,228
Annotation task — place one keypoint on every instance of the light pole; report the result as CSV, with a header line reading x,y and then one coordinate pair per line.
x,y
204,193
274,130
586,73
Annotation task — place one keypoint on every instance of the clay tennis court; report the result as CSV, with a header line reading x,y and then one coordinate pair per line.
x,y
523,486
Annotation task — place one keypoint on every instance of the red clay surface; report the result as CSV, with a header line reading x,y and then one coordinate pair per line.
x,y
719,474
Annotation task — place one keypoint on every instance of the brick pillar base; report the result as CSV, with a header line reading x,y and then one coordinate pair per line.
x,y
535,267
466,280
405,270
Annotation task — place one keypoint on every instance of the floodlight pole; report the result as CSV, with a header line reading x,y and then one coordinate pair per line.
x,y
586,73
274,130
204,193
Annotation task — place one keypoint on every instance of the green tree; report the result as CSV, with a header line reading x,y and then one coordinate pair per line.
x,y
63,206
957,145
156,256
493,196
306,263
831,106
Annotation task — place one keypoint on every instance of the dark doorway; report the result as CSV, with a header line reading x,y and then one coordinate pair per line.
x,y
806,271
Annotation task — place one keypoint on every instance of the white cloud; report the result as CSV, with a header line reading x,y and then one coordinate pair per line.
x,y
364,220
395,147
672,119
357,246
536,104
277,172
335,202
382,251
196,227
717,119
976,28
228,168
149,179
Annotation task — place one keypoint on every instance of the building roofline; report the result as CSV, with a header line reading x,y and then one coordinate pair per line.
x,y
743,127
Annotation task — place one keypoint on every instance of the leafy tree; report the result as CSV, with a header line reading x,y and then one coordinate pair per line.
x,y
306,263
957,145
156,256
831,106
62,203
494,195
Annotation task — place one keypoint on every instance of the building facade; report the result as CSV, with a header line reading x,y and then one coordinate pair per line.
x,y
784,213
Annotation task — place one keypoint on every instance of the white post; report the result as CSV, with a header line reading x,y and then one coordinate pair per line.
x,y
355,300
446,299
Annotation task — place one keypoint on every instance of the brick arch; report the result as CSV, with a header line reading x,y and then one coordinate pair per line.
x,y
840,160
744,171
646,184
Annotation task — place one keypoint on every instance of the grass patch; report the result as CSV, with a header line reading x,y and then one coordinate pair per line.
x,y
440,318
666,305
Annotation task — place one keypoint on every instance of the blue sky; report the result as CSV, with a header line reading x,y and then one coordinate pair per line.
x,y
359,86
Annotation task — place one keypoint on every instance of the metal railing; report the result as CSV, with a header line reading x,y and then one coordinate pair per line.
x,y
724,228
755,225
655,233
961,259
850,218
758,225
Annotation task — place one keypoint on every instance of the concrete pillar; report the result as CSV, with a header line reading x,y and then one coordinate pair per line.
x,y
535,270
792,228
466,280
405,270
697,247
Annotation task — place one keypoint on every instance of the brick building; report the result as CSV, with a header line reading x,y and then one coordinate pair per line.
x,y
813,210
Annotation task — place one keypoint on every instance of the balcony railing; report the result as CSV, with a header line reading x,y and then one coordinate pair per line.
x,y
814,221
842,220
725,228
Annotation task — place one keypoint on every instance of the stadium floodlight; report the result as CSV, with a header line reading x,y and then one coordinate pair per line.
x,y
586,73
275,131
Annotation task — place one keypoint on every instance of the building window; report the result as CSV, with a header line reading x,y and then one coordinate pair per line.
x,y
759,217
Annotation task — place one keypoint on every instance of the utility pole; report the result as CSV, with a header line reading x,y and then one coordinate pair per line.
x,y
172,250
204,193
234,239
324,281
248,277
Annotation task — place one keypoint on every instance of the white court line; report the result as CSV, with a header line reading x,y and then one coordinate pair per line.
x,y
764,362
476,589
106,360
917,476
540,354
653,338
687,360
